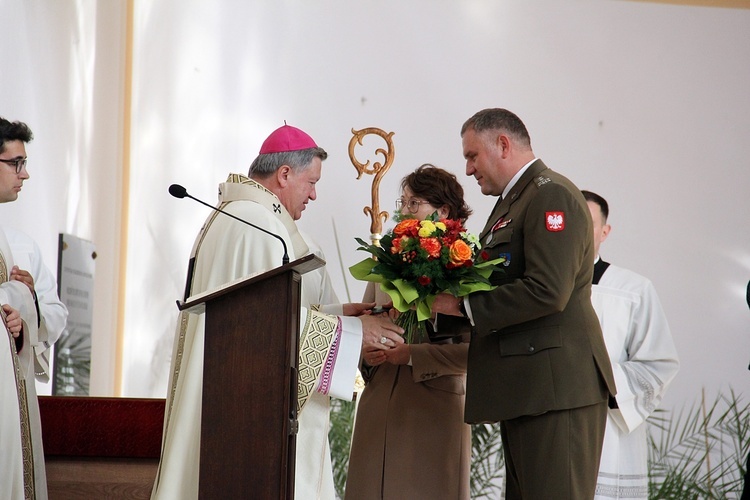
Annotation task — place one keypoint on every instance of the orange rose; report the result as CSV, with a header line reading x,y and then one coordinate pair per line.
x,y
459,252
431,245
407,227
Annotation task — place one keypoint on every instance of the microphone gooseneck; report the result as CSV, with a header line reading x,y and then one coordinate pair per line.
x,y
180,192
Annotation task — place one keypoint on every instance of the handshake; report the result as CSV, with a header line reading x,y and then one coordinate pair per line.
x,y
381,338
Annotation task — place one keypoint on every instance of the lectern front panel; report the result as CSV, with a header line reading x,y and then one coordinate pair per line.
x,y
250,390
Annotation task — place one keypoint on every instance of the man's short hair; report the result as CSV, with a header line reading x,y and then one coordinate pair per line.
x,y
595,198
499,119
265,165
13,131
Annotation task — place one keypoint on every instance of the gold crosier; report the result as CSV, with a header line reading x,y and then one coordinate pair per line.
x,y
379,170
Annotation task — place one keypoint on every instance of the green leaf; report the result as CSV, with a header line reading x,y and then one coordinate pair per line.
x,y
401,292
362,271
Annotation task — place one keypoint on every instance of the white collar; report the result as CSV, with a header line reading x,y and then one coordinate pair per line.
x,y
516,177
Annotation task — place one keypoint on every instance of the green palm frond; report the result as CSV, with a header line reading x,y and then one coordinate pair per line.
x,y
340,438
72,363
699,452
487,462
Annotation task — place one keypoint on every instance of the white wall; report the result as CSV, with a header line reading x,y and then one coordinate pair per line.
x,y
644,103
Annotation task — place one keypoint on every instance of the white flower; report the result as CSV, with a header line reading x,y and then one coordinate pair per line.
x,y
472,239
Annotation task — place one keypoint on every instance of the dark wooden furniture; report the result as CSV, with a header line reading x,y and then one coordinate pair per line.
x,y
101,447
249,419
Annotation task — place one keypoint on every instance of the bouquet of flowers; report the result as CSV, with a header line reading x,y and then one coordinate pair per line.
x,y
419,259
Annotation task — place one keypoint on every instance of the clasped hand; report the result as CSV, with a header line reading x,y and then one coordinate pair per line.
x,y
381,340
379,333
398,355
18,274
12,319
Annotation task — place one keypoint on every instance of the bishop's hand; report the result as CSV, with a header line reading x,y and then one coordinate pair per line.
x,y
380,333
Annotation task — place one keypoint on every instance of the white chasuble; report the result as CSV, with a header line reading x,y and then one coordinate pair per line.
x,y
644,362
53,313
22,473
226,250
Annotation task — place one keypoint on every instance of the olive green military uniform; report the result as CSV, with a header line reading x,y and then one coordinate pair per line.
x,y
537,360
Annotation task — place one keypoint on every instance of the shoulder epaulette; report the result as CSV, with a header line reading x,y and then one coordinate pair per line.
x,y
542,180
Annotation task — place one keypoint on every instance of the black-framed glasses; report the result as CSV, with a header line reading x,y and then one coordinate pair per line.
x,y
17,163
411,205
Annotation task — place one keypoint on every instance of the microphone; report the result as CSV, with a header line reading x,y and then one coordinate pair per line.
x,y
180,192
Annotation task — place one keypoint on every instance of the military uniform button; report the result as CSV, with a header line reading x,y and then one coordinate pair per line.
x,y
531,348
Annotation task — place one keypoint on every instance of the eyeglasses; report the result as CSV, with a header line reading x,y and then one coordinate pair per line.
x,y
17,163
411,205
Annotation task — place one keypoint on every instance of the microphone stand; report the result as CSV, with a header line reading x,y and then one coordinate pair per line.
x,y
180,192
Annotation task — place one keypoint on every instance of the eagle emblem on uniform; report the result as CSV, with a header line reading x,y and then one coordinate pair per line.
x,y
555,221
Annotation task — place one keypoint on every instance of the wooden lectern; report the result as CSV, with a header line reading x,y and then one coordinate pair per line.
x,y
249,419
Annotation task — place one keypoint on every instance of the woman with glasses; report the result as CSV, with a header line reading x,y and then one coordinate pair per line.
x,y
410,440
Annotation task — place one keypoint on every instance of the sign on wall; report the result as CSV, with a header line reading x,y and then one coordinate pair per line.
x,y
75,278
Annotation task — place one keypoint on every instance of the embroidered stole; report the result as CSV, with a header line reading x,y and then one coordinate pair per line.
x,y
29,484
315,344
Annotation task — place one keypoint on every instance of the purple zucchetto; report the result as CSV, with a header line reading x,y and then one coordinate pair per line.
x,y
287,138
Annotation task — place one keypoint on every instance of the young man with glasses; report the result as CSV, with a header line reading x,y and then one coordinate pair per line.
x,y
30,288
13,156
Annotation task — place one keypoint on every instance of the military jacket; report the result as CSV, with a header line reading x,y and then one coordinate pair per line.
x,y
537,344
